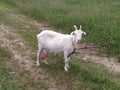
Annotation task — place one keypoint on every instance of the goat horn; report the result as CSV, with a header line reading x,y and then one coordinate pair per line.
x,y
75,27
80,26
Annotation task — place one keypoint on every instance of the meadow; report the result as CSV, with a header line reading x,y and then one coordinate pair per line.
x,y
100,20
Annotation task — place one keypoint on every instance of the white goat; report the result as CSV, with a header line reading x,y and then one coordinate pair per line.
x,y
51,41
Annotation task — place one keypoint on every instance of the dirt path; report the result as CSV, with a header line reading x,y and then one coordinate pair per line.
x,y
89,53
22,55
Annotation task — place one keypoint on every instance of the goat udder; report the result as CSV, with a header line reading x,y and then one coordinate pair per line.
x,y
43,56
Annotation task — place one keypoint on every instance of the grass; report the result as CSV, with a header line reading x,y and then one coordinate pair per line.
x,y
7,79
82,75
100,19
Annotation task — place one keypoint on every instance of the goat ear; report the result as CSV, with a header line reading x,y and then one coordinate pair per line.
x,y
73,33
75,27
84,33
80,27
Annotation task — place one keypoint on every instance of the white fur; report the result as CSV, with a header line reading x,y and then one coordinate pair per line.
x,y
52,41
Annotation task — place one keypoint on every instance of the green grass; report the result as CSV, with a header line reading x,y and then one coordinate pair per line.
x,y
82,75
100,18
96,22
7,79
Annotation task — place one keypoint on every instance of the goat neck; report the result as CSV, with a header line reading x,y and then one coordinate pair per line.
x,y
74,41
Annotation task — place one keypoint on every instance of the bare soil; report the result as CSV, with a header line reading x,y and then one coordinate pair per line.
x,y
90,53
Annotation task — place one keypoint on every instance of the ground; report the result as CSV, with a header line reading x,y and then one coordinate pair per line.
x,y
22,53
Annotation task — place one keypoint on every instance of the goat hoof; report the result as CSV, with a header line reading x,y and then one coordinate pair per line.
x,y
38,64
45,62
66,69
